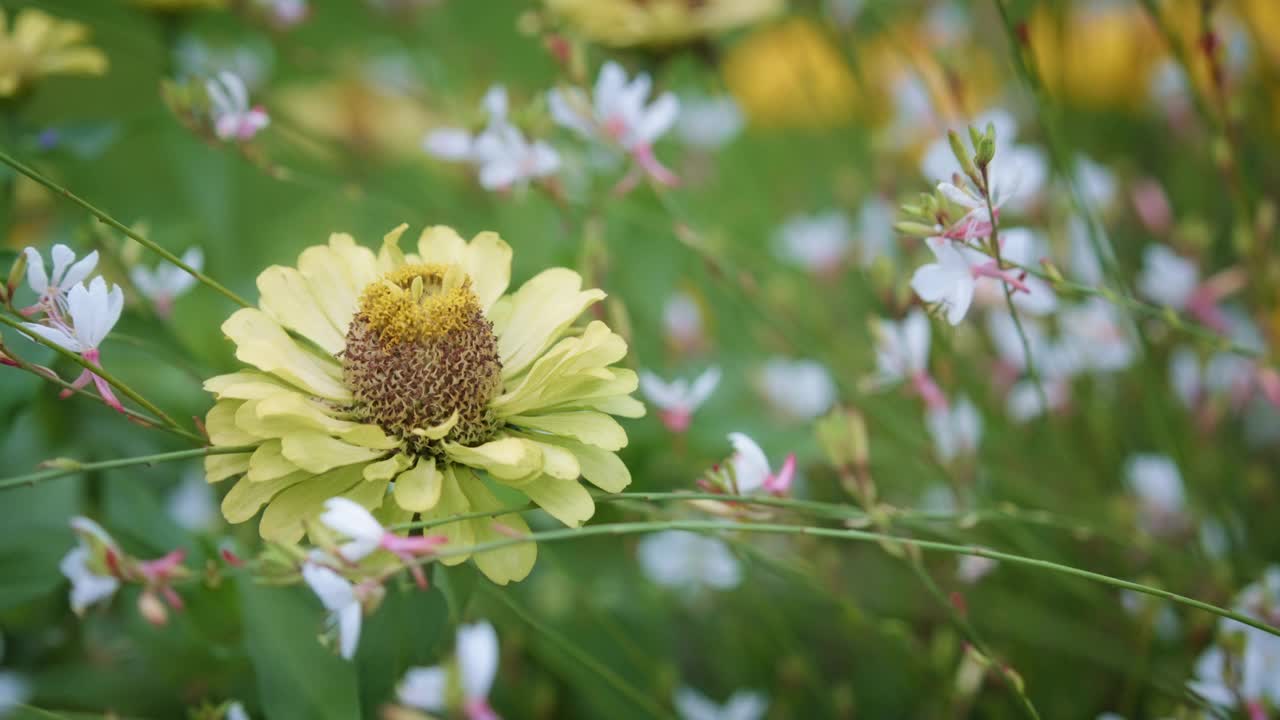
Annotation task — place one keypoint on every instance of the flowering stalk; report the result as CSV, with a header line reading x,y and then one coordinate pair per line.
x,y
63,467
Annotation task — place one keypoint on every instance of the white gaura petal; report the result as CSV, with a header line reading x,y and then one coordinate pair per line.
x,y
704,386
915,335
506,564
540,311
658,118
751,467
692,705
563,109
610,84
352,520
335,592
661,393
62,257
419,488
593,428
349,619
459,534
286,296
77,273
424,688
37,278
448,144
564,500
337,275
262,343
499,173
477,653
55,336
487,259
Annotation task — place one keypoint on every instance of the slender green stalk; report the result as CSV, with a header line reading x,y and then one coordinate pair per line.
x,y
706,526
72,467
95,369
605,673
16,164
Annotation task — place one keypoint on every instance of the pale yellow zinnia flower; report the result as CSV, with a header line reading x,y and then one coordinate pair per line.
x,y
634,23
791,75
417,371
40,44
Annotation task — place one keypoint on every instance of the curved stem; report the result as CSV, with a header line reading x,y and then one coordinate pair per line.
x,y
707,526
14,163
91,367
72,467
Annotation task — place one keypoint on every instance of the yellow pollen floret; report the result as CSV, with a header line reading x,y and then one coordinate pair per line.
x,y
417,302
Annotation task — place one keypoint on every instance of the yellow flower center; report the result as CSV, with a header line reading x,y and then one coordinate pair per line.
x,y
422,360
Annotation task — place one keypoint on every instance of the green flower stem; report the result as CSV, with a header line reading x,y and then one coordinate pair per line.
x,y
14,163
140,418
73,467
707,526
584,658
95,369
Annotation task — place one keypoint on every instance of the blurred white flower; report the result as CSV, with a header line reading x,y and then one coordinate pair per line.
x,y
972,568
1152,206
1157,484
192,504
236,711
679,399
339,596
1167,278
742,705
1085,264
949,282
196,59
14,691
800,389
956,428
92,312
902,355
476,655
233,118
1024,247
1254,676
501,154
817,243
1096,182
619,114
1025,403
709,123
686,560
1008,343
91,582
1093,337
52,287
365,534
875,236
167,282
751,469
682,322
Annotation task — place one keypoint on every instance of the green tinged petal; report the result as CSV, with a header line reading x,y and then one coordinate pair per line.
x,y
419,488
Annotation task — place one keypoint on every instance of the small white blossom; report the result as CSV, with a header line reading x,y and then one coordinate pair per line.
x,y
233,118
15,690
875,236
679,399
742,705
709,123
66,273
1167,278
1096,182
950,282
1156,482
166,282
1094,337
817,243
476,654
93,312
89,585
972,568
751,469
902,348
339,596
800,389
682,321
193,505
1022,247
619,113
956,429
364,533
501,153
236,711
686,560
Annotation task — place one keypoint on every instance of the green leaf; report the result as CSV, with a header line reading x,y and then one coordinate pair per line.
x,y
407,630
297,676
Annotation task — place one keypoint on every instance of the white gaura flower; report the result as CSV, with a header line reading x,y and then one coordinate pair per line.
x,y
874,234
619,114
192,505
800,389
229,110
1157,484
339,596
709,123
365,534
66,273
689,561
1095,339
956,429
86,566
166,282
1254,676
236,711
1023,247
501,153
14,691
679,399
972,568
742,705
473,671
1096,182
91,313
682,322
1008,343
751,470
949,282
902,355
817,243
1167,278
196,59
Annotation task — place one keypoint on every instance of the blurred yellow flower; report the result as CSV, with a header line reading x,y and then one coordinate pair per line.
x,y
41,44
791,75
418,369
358,113
1263,19
1096,56
632,23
